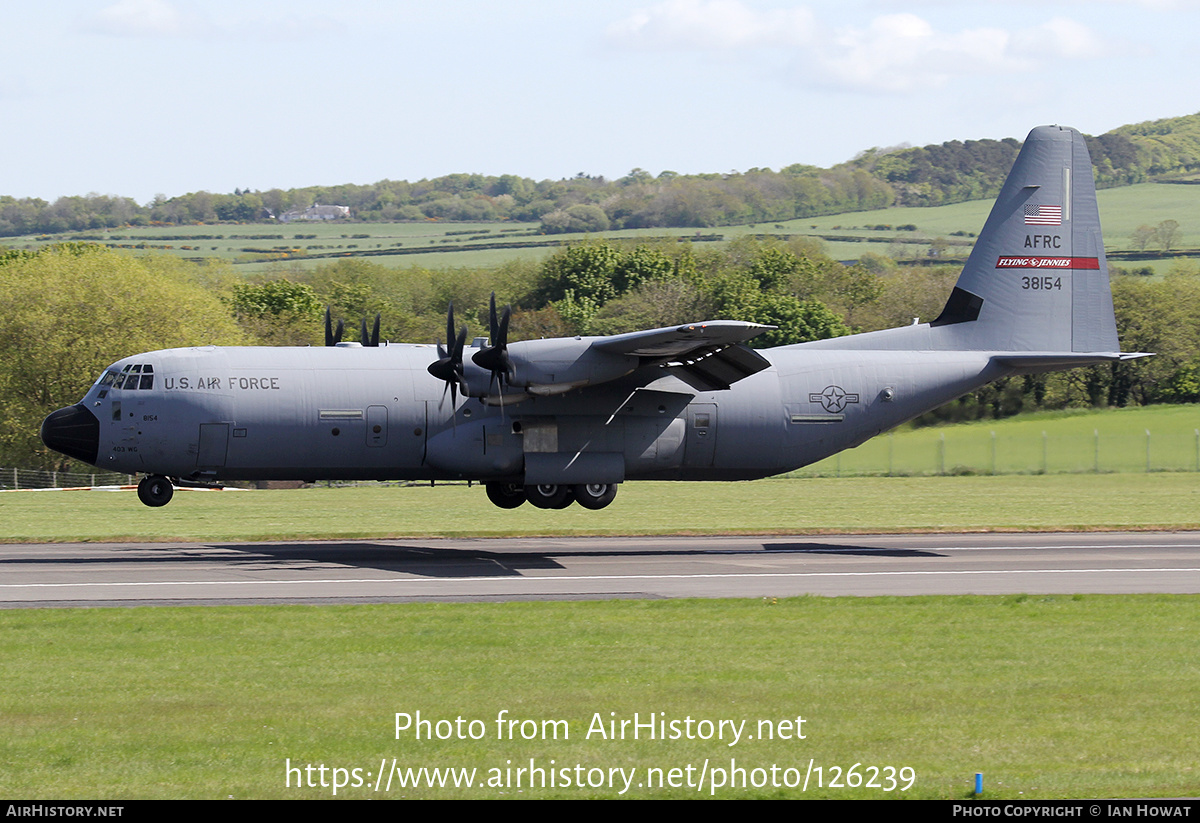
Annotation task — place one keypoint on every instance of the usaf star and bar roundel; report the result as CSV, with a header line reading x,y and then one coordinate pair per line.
x,y
833,399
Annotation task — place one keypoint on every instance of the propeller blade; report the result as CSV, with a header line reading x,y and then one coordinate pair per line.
x,y
363,337
332,338
449,365
458,346
494,357
503,335
375,332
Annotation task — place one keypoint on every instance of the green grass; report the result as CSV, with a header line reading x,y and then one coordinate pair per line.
x,y
1121,211
819,505
1077,440
1049,697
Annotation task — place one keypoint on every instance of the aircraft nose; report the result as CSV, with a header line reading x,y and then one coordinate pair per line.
x,y
74,431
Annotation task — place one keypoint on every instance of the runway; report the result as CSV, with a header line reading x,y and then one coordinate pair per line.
x,y
382,571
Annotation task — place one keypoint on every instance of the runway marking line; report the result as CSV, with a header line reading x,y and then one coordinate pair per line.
x,y
576,578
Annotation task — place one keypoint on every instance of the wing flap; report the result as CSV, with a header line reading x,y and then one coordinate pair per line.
x,y
676,342
718,370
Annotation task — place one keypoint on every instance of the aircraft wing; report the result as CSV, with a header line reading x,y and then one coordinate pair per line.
x,y
693,339
708,356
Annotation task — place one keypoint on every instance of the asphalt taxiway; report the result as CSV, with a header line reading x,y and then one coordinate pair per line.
x,y
375,571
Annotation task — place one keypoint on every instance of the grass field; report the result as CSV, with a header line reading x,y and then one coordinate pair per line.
x,y
258,247
818,505
1048,697
1135,439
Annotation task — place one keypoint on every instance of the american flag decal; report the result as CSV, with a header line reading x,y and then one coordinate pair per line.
x,y
1043,215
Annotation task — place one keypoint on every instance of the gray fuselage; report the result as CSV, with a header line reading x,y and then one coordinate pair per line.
x,y
348,412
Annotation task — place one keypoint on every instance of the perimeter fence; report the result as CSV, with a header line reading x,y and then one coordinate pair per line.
x,y
39,479
31,479
974,452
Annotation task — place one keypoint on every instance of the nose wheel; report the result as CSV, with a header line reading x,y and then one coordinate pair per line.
x,y
155,490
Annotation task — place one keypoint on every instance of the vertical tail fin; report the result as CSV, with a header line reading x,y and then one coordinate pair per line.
x,y
1037,279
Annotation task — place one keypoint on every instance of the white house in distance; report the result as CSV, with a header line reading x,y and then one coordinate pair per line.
x,y
315,212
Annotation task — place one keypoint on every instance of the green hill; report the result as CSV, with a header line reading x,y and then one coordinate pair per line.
x,y
952,172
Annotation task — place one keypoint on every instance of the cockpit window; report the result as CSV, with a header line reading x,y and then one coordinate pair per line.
x,y
132,376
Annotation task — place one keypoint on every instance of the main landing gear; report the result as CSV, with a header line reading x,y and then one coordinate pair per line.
x,y
155,490
547,496
505,495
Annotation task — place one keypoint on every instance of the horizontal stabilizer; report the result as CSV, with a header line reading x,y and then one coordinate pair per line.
x,y
1035,362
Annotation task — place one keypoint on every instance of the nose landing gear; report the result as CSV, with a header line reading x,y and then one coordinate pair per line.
x,y
155,490
505,495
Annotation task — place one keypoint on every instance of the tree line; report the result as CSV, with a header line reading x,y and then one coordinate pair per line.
x,y
877,178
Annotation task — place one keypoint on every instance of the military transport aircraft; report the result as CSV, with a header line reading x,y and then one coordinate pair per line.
x,y
564,420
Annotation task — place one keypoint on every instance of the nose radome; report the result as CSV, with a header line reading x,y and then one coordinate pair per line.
x,y
74,431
